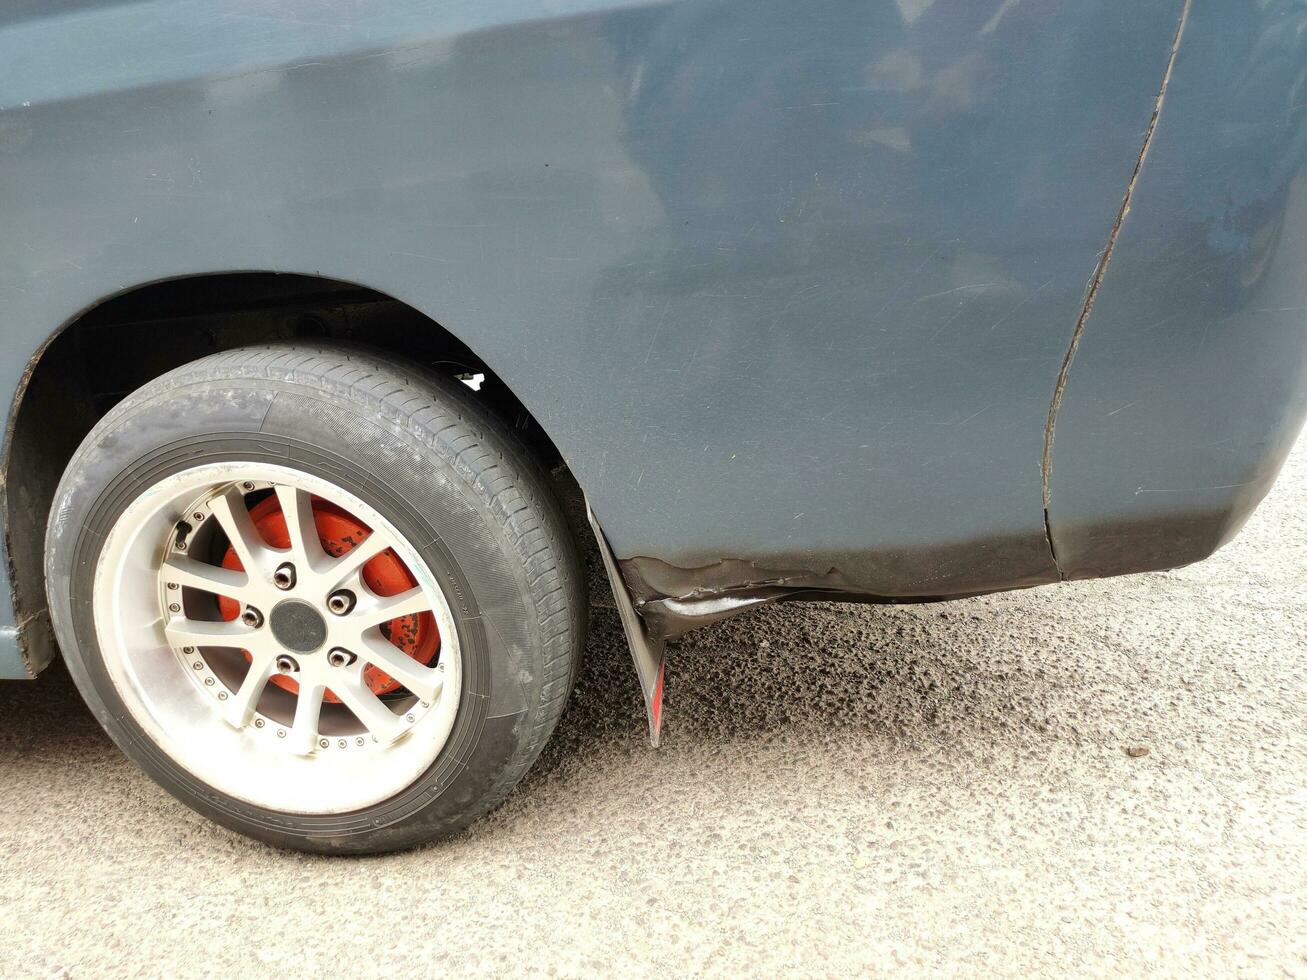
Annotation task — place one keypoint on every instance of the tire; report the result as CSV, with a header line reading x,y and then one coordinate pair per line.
x,y
225,698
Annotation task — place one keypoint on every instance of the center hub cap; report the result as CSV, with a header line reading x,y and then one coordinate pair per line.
x,y
298,626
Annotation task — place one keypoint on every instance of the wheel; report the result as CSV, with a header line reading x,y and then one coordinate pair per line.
x,y
317,594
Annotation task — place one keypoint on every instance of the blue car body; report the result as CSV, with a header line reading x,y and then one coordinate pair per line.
x,y
892,299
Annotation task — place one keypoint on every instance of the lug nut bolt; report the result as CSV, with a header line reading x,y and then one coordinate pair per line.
x,y
252,618
340,658
341,602
284,577
286,665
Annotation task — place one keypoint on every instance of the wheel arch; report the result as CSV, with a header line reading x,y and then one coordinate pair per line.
x,y
125,338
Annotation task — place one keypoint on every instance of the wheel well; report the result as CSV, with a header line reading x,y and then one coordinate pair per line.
x,y
115,347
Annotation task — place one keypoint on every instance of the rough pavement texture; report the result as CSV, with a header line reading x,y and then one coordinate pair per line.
x,y
945,788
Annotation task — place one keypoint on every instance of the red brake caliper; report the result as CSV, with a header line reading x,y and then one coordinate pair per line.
x,y
416,634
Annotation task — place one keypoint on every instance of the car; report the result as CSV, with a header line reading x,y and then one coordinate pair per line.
x,y
334,333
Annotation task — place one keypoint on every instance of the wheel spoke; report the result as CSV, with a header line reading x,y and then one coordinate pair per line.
x,y
368,708
422,680
184,632
297,508
192,574
382,609
353,560
241,704
308,707
234,518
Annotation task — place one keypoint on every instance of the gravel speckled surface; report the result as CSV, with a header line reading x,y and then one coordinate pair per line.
x,y
958,788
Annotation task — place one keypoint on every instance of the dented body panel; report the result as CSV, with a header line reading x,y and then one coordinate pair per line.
x,y
788,285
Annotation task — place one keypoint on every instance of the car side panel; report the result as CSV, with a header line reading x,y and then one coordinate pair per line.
x,y
1190,383
788,284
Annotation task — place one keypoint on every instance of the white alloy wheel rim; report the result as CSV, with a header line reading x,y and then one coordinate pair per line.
x,y
180,667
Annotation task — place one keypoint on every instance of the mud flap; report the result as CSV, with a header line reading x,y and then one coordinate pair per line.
x,y
647,651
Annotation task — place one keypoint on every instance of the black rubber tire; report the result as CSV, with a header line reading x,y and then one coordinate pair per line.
x,y
418,448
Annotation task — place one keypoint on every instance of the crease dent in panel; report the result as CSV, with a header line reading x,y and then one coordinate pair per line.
x,y
1096,280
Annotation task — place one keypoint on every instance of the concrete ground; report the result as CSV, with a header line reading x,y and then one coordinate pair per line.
x,y
957,788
